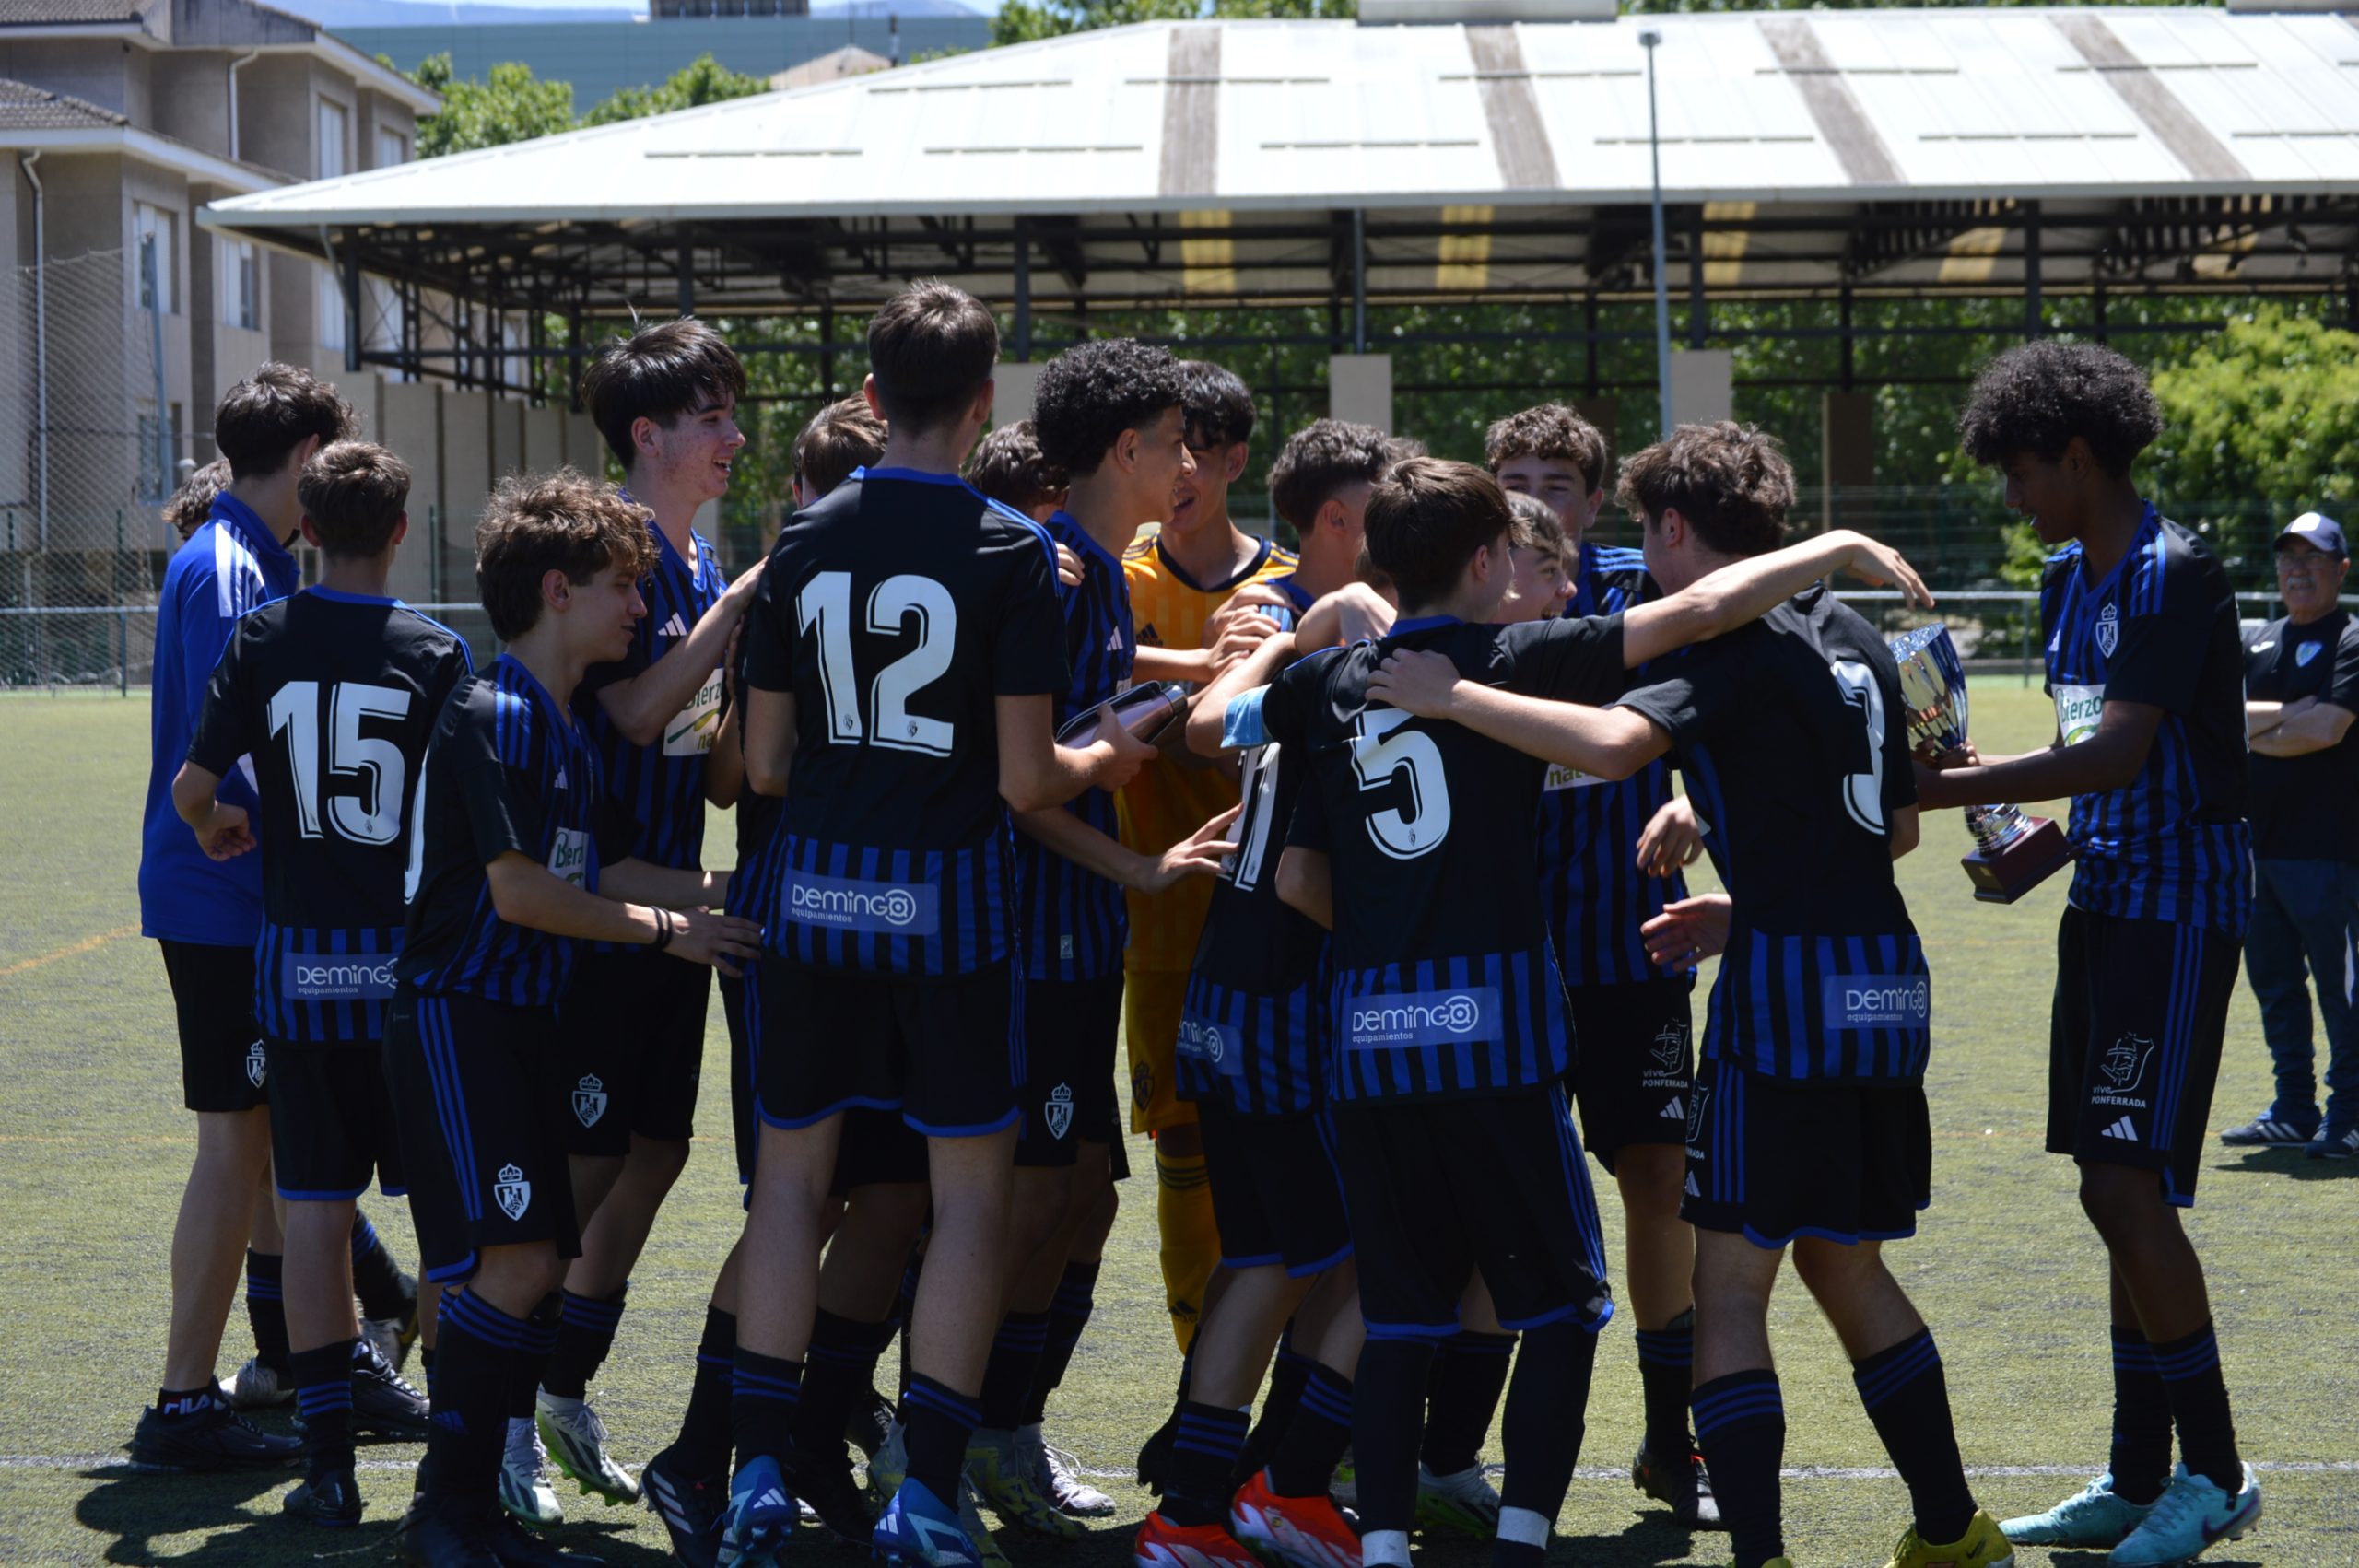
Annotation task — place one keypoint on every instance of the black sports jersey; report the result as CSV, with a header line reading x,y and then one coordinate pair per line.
x,y
1444,980
334,695
1791,737
1597,897
2303,806
1075,920
2172,842
509,771
896,611
1254,1030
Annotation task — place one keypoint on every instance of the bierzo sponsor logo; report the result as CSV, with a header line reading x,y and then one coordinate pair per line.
x,y
1877,1001
889,907
1424,1018
310,976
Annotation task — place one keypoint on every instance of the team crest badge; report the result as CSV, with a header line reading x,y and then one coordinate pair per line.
x,y
2125,1065
588,1100
1696,1114
2108,629
1671,1048
1058,1114
514,1193
2304,654
257,1063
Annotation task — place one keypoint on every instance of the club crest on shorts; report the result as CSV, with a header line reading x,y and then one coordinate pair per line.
x,y
257,1064
2125,1064
1058,1112
588,1100
1671,1048
2108,629
512,1192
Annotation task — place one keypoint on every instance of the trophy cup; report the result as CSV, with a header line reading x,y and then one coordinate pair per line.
x,y
2012,853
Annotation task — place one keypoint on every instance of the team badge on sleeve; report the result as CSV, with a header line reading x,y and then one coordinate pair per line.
x,y
514,1193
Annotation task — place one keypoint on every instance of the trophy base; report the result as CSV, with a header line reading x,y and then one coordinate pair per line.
x,y
2005,875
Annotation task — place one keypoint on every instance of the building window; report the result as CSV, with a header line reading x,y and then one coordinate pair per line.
x,y
333,332
392,148
152,227
242,283
335,135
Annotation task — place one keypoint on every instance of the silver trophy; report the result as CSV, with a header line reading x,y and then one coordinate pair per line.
x,y
2012,852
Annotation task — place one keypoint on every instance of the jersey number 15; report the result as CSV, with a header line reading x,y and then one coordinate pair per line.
x,y
372,816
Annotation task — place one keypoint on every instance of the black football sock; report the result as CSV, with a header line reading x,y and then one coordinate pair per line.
x,y
1740,1427
478,1343
426,1361
764,1390
1666,1373
836,1370
1069,1312
936,1421
376,1278
1546,1416
1907,1397
905,1308
1304,1463
704,1431
266,1309
1017,1350
1387,1421
1461,1396
1288,1373
323,1398
2199,1396
530,1363
1204,1457
2141,1420
584,1341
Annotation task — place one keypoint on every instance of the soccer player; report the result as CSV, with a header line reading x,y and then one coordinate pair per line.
x,y
206,915
1808,1128
2146,670
1454,1138
517,857
330,694
193,502
1636,1067
1008,466
664,401
2302,695
1178,578
902,659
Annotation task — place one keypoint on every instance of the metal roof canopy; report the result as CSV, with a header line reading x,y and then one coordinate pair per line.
x,y
1856,155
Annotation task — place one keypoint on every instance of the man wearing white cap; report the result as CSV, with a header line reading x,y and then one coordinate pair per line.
x,y
2302,692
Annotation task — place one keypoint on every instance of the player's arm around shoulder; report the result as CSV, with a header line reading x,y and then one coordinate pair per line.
x,y
1606,743
1747,589
641,704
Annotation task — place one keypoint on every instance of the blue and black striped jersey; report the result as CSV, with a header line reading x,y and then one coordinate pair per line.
x,y
661,785
1588,826
1794,744
333,697
2172,844
508,772
1075,920
897,611
1444,983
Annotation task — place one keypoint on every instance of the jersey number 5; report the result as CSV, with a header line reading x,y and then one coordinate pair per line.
x,y
1381,750
374,814
1864,792
825,601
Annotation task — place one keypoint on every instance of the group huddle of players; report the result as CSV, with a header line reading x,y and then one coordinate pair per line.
x,y
1396,890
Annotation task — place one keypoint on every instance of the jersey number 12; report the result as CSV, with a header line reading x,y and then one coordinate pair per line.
x,y
825,601
373,815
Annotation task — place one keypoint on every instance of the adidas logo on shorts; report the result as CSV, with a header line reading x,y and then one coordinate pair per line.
x,y
2122,1129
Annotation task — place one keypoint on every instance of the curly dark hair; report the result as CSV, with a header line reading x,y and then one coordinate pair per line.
x,y
1220,410
2033,401
1731,482
193,502
562,520
1008,466
1095,391
1320,459
1548,430
260,422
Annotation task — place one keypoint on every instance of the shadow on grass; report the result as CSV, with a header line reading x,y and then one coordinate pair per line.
x,y
2290,1162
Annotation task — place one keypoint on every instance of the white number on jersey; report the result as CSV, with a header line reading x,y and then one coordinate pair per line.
x,y
373,814
826,603
1258,785
1864,792
1381,750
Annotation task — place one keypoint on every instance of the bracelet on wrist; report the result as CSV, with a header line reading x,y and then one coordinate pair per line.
x,y
664,926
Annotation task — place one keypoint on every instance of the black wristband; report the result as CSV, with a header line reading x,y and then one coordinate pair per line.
x,y
664,923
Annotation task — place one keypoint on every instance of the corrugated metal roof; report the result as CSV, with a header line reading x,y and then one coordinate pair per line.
x,y
68,13
1241,115
27,107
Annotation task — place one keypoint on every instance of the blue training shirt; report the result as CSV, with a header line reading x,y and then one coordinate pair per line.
x,y
1076,922
230,564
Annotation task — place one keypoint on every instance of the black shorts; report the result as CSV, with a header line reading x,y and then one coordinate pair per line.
x,y
1276,1196
632,1049
1437,1189
479,1098
947,1053
1772,1159
1071,1029
2133,1043
223,1062
877,1147
332,1124
744,1127
1634,1063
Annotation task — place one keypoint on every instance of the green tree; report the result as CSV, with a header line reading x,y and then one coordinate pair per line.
x,y
513,106
702,81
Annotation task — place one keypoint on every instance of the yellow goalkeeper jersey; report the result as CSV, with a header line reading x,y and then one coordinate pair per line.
x,y
1166,802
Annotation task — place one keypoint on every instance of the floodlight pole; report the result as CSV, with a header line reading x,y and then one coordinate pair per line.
x,y
1648,38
